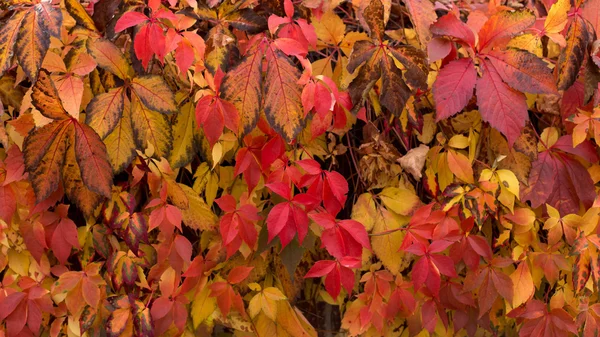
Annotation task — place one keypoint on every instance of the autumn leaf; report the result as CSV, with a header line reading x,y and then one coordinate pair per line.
x,y
105,111
501,106
571,57
282,98
454,87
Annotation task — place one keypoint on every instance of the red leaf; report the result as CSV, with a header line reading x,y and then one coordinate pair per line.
x,y
501,106
238,274
453,87
130,19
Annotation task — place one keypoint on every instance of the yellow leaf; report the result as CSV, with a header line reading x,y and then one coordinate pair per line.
x,y
154,93
185,137
330,29
19,262
202,306
198,215
120,143
556,21
387,238
458,142
365,211
522,284
399,200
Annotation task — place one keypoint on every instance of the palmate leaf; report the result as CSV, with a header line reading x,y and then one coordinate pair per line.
x,y
377,61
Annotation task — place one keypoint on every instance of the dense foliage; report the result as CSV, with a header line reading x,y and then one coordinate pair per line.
x,y
299,168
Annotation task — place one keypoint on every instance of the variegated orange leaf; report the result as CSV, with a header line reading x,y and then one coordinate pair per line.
x,y
571,57
283,104
242,87
8,38
109,57
45,97
44,152
105,110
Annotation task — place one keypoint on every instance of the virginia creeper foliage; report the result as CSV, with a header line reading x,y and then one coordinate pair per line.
x,y
299,168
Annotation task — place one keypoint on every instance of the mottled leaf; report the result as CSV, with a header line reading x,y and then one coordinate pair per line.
x,y
242,87
151,127
109,57
523,71
81,16
105,110
8,38
45,98
92,158
571,57
283,106
154,93
44,151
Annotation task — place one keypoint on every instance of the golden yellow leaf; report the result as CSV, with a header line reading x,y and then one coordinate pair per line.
x,y
387,238
198,215
185,137
330,29
202,306
365,211
399,200
120,144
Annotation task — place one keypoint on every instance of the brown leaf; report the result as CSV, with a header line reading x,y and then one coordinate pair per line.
x,y
571,57
414,161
